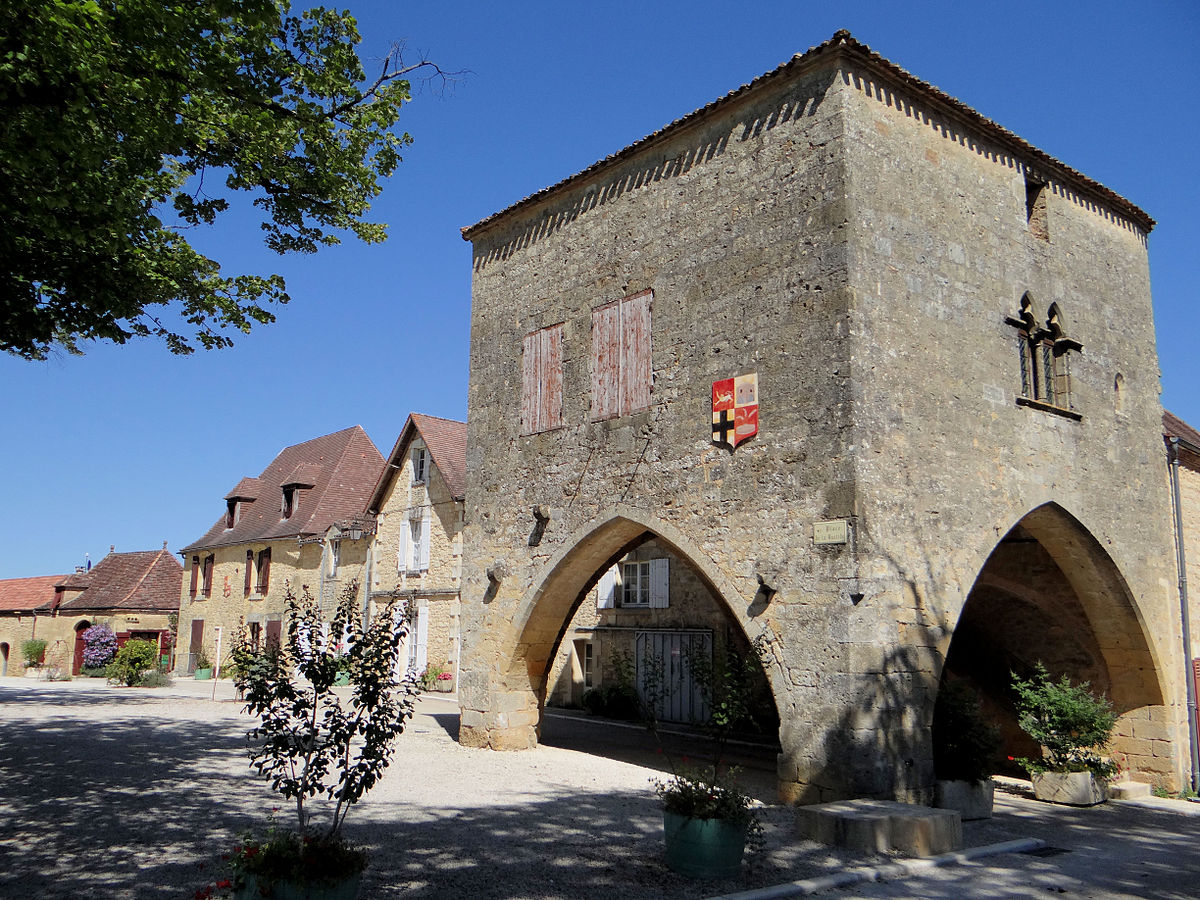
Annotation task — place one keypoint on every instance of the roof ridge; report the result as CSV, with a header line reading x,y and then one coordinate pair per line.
x,y
145,573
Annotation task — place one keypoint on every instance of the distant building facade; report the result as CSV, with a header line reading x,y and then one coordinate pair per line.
x,y
416,557
299,523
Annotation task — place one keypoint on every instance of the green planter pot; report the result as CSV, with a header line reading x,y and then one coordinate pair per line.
x,y
703,848
346,889
203,674
342,679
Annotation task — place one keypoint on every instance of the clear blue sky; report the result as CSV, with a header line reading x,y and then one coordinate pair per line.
x,y
132,446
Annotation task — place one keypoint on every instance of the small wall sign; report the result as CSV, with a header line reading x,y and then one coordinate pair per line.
x,y
735,409
835,531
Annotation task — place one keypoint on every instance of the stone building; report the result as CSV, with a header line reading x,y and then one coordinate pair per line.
x,y
21,599
135,594
299,523
417,506
958,442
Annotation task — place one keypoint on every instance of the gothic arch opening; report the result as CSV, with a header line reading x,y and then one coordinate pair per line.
x,y
1049,593
625,589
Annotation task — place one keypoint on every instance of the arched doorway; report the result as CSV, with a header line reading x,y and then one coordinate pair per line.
x,y
513,654
77,661
1050,593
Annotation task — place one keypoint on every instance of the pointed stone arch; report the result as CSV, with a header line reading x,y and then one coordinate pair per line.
x,y
507,714
1049,588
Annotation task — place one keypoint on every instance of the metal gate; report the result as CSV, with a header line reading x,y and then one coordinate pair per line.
x,y
664,676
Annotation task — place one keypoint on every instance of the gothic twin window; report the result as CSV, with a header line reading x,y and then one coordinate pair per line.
x,y
1045,354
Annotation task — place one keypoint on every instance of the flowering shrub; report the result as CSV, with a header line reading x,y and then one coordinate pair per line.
x,y
444,676
99,646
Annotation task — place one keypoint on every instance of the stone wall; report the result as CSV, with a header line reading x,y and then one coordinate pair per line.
x,y
437,587
860,251
293,565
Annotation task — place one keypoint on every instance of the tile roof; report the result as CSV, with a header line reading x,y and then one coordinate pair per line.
x,y
246,489
1173,426
27,594
145,580
447,443
843,46
341,467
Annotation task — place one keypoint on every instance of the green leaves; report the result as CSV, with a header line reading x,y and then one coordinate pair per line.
x,y
1073,725
308,741
125,124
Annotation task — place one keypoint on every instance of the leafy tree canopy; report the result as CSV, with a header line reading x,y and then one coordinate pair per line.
x,y
126,122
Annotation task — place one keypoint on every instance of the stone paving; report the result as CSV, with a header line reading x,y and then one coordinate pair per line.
x,y
115,793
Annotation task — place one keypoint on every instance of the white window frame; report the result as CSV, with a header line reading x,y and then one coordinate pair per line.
x,y
635,583
335,556
420,465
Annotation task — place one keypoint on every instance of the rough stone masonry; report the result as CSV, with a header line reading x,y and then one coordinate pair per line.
x,y
955,353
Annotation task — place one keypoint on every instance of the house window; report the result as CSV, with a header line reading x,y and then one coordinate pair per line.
x,y
249,568
644,583
621,360
231,513
1044,354
289,502
587,665
635,584
195,576
1035,207
255,630
413,552
542,380
419,464
264,571
209,561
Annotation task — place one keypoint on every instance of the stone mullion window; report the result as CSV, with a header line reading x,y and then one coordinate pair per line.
x,y
1044,353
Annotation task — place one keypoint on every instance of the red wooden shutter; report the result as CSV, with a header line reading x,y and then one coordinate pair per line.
x,y
530,364
273,634
541,380
249,566
264,571
606,361
197,642
195,576
635,353
208,575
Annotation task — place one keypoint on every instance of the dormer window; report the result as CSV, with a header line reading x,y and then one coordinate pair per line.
x,y
233,509
289,501
420,465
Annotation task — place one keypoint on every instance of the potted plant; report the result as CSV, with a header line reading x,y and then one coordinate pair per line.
x,y
1074,727
965,750
309,745
708,821
34,653
204,666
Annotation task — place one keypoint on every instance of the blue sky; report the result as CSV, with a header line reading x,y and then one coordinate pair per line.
x,y
132,446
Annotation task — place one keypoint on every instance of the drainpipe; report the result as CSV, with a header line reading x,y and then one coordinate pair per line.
x,y
1181,562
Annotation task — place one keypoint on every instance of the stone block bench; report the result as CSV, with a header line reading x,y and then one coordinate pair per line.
x,y
881,826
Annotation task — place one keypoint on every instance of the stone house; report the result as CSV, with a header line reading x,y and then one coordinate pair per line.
x,y
135,594
417,507
21,600
299,523
859,359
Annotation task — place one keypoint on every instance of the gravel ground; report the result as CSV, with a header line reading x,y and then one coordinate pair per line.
x,y
109,792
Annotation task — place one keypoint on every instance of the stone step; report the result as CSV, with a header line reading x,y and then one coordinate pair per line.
x,y
881,826
1128,790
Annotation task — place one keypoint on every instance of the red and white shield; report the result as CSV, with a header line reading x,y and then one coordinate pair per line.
x,y
735,409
